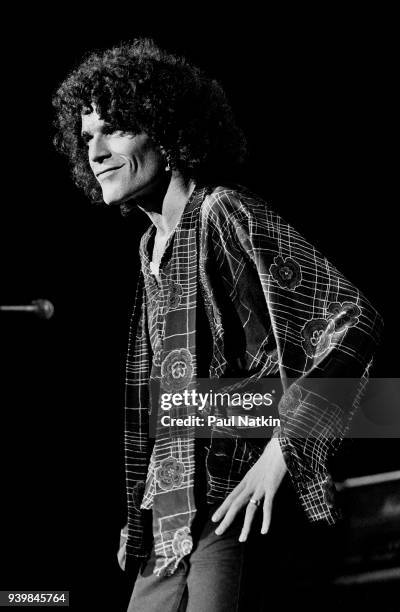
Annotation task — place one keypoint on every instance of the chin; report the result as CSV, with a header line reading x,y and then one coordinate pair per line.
x,y
119,195
113,198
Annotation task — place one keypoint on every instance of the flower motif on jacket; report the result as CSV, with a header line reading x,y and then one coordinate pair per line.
x,y
182,543
343,314
286,272
170,473
175,293
290,398
158,353
176,370
157,357
317,334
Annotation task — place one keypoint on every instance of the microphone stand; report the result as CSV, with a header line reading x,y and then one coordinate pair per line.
x,y
44,309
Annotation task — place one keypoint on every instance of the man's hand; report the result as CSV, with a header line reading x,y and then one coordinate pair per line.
x,y
261,481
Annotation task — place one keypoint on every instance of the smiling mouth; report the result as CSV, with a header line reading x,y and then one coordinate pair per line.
x,y
107,170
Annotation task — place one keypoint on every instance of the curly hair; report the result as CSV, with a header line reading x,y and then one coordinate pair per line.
x,y
138,87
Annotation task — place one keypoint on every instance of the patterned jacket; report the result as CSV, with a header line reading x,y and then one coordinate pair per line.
x,y
275,307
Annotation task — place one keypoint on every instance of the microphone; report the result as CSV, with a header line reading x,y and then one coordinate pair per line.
x,y
41,308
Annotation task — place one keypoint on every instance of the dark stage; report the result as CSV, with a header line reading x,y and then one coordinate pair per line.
x,y
315,104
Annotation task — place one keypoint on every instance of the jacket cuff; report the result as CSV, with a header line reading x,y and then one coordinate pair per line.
x,y
316,493
317,498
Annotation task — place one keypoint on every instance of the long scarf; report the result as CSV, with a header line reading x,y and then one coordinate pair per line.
x,y
173,370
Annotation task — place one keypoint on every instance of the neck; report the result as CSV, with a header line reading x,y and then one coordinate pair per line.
x,y
165,207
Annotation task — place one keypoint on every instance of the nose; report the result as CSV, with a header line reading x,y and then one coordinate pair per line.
x,y
98,149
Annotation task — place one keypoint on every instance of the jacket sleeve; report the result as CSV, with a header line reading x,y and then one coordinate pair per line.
x,y
324,329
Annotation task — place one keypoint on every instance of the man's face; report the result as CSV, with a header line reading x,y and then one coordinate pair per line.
x,y
125,165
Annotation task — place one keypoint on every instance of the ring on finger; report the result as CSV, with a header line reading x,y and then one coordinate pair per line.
x,y
256,502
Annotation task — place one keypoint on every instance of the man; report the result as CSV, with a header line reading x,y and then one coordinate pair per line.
x,y
227,290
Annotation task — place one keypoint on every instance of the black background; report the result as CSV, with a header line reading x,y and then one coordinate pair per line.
x,y
314,97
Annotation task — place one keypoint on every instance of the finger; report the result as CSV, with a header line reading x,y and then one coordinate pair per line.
x,y
232,512
267,509
221,511
248,519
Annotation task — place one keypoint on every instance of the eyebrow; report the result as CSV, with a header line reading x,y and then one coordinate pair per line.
x,y
106,126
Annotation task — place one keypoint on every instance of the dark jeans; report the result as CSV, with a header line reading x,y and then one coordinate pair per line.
x,y
222,574
210,579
